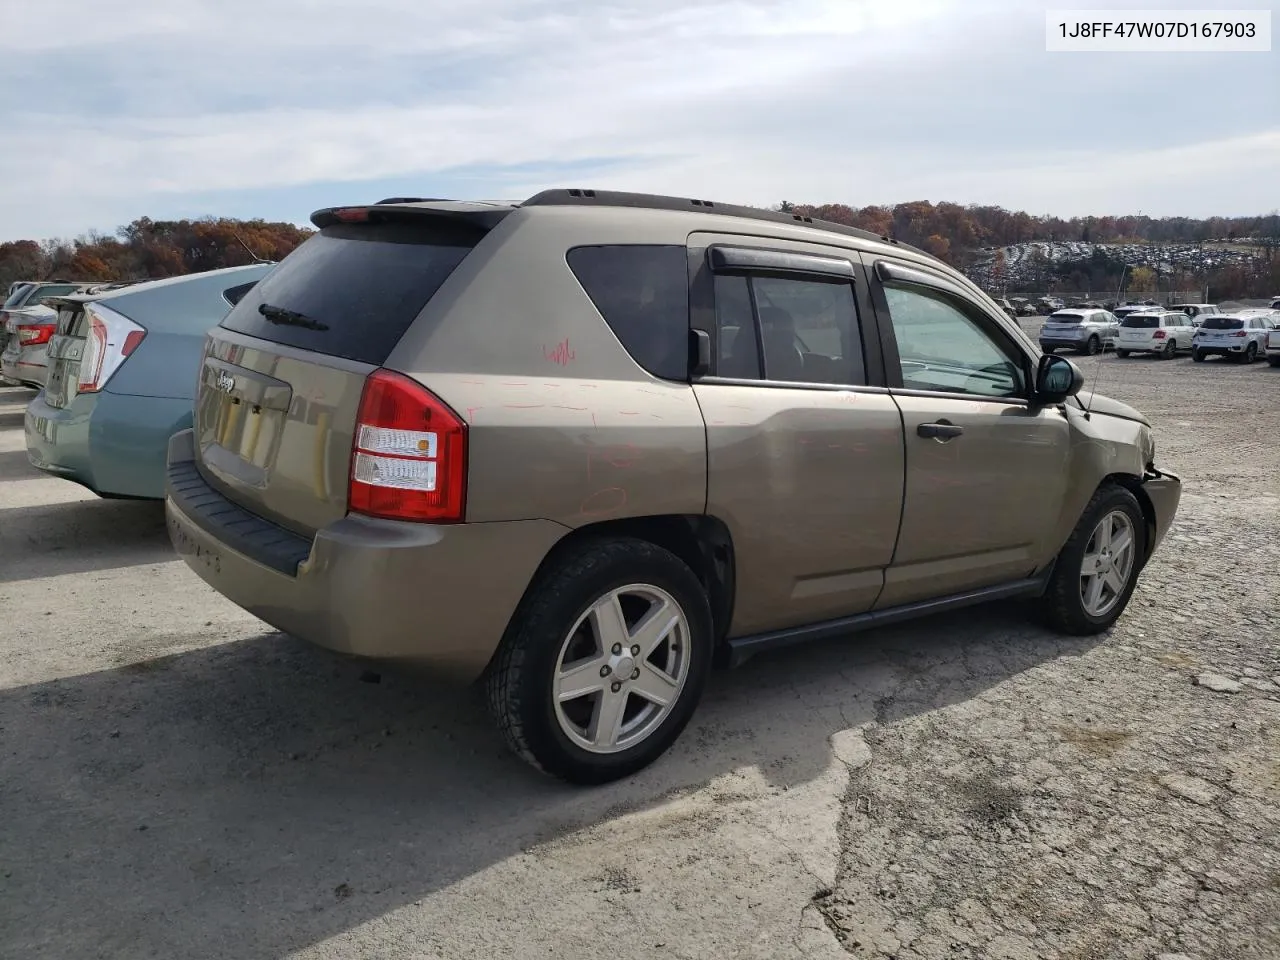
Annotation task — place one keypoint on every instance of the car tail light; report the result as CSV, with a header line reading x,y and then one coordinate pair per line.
x,y
34,334
1239,333
1159,335
111,339
409,455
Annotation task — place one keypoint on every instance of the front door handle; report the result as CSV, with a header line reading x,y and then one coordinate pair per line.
x,y
942,430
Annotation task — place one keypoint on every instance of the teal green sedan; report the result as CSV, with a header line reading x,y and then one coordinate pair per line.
x,y
122,378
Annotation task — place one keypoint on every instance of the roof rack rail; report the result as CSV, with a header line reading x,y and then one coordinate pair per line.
x,y
652,201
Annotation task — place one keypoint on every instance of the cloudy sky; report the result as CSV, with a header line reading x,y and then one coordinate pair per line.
x,y
115,109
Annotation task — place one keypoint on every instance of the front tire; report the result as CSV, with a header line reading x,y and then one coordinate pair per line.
x,y
604,662
1096,572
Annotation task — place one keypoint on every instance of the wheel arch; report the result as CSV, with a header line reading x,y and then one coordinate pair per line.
x,y
702,542
1134,485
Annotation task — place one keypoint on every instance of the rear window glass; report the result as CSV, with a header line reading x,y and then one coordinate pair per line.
x,y
642,291
39,293
353,290
16,297
1140,322
1222,323
1066,318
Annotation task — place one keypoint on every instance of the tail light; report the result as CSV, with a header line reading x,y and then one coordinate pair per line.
x,y
34,334
1159,335
409,456
112,337
1239,333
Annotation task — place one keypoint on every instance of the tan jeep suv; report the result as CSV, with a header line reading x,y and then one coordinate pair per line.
x,y
583,446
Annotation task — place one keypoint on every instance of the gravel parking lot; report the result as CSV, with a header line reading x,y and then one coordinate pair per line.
x,y
180,781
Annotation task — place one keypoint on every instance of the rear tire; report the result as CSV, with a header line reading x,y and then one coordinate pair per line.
x,y
1093,347
1197,355
1251,353
1122,354
1273,361
1067,601
559,640
1170,348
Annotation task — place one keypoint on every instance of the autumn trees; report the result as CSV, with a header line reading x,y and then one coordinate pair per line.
x,y
147,249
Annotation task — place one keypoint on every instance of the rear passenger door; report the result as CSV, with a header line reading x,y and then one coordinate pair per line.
x,y
986,473
804,443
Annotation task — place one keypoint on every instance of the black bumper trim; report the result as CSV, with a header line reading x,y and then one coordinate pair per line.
x,y
260,540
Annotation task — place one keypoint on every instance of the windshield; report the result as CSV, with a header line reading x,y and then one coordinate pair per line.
x,y
1222,323
1141,322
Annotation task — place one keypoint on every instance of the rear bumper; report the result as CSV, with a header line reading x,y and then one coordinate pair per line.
x,y
440,596
1165,492
21,369
1220,349
114,444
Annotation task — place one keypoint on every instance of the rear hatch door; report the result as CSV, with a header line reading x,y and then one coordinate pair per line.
x,y
66,350
282,376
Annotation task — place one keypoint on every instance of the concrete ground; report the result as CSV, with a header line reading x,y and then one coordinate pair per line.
x,y
177,780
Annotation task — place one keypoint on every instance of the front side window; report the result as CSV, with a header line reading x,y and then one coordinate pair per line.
x,y
942,348
788,329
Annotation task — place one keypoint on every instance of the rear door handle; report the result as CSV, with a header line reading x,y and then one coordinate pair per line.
x,y
942,430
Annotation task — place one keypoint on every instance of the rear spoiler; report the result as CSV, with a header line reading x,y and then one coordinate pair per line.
x,y
484,216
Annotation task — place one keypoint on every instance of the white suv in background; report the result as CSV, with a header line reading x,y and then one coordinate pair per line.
x,y
1273,347
1232,335
1162,332
1197,311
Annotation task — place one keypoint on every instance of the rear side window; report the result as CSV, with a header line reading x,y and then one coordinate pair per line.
x,y
1222,323
642,291
353,290
234,295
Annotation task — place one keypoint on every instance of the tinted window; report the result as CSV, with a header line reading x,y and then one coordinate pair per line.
x,y
1222,323
809,330
736,330
235,294
16,297
363,284
1140,322
36,294
642,291
1068,318
942,348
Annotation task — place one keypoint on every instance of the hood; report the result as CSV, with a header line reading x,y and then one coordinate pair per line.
x,y
1111,408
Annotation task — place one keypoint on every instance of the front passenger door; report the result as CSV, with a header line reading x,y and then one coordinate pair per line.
x,y
986,472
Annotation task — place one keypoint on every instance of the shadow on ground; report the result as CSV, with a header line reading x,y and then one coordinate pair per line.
x,y
80,536
250,799
14,465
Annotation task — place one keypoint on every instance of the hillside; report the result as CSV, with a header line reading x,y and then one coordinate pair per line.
x,y
1002,249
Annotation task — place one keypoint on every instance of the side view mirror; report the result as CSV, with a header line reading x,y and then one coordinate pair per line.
x,y
1056,379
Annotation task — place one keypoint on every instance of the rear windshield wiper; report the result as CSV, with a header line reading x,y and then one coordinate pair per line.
x,y
290,317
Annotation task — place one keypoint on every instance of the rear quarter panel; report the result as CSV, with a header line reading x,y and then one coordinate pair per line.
x,y
176,318
563,424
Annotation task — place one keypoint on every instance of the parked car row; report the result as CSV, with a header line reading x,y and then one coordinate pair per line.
x,y
26,323
580,447
1201,329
